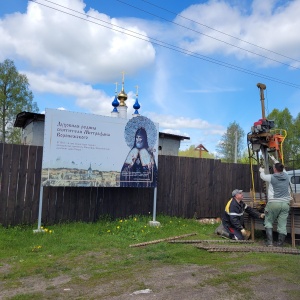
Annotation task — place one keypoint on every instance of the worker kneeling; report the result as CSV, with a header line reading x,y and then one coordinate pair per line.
x,y
233,219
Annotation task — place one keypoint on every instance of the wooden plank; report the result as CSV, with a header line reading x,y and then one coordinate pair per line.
x,y
66,204
2,203
6,164
21,189
73,204
12,200
37,182
86,204
1,165
59,206
100,206
29,197
52,203
45,204
93,204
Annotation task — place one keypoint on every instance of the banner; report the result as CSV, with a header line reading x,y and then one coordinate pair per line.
x,y
91,150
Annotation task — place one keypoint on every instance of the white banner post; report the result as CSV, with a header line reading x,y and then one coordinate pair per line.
x,y
40,211
154,222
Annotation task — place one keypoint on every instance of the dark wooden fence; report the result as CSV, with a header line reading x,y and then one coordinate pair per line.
x,y
187,187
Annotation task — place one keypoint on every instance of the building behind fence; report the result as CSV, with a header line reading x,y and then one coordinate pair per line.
x,y
187,187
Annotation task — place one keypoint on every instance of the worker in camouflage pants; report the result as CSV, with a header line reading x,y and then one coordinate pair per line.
x,y
278,206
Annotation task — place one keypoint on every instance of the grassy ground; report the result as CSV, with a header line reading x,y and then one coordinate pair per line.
x,y
95,261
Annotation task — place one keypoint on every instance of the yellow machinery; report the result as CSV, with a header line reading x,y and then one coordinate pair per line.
x,y
263,140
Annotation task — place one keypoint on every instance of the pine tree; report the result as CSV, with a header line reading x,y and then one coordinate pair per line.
x,y
232,138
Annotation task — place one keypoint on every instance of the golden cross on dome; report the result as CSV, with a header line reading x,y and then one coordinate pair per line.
x,y
123,78
116,83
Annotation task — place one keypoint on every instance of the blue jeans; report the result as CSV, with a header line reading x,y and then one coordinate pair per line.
x,y
277,211
235,234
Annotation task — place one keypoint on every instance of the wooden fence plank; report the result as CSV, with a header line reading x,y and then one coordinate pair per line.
x,y
37,183
6,163
30,197
66,204
12,200
52,203
59,207
21,189
1,165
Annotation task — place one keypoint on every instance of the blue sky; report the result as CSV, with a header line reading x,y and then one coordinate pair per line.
x,y
74,62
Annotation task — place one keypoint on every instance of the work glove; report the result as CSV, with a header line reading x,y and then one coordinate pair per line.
x,y
275,161
261,170
246,234
262,216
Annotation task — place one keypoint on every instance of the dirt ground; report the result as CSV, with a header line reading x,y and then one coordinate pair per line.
x,y
163,283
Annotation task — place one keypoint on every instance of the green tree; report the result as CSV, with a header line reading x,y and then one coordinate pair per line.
x,y
232,138
15,97
190,152
284,120
244,159
295,159
291,145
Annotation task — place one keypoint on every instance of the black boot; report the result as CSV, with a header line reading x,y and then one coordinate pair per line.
x,y
281,238
269,232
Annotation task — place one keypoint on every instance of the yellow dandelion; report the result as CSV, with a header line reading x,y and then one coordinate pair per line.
x,y
108,230
135,219
118,227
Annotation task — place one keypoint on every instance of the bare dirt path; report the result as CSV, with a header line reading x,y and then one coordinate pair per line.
x,y
163,282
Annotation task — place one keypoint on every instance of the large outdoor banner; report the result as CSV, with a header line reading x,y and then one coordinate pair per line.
x,y
91,150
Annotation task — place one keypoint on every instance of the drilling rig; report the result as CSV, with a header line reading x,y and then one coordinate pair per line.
x,y
264,142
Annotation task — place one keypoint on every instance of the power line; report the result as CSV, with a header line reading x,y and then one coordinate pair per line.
x,y
166,45
209,36
219,31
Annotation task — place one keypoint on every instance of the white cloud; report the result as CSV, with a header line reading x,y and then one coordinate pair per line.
x,y
270,24
178,122
86,96
172,124
53,41
174,131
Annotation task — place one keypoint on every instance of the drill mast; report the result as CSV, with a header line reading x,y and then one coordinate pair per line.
x,y
263,140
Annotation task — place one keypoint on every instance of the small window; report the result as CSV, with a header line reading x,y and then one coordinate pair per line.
x,y
295,179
